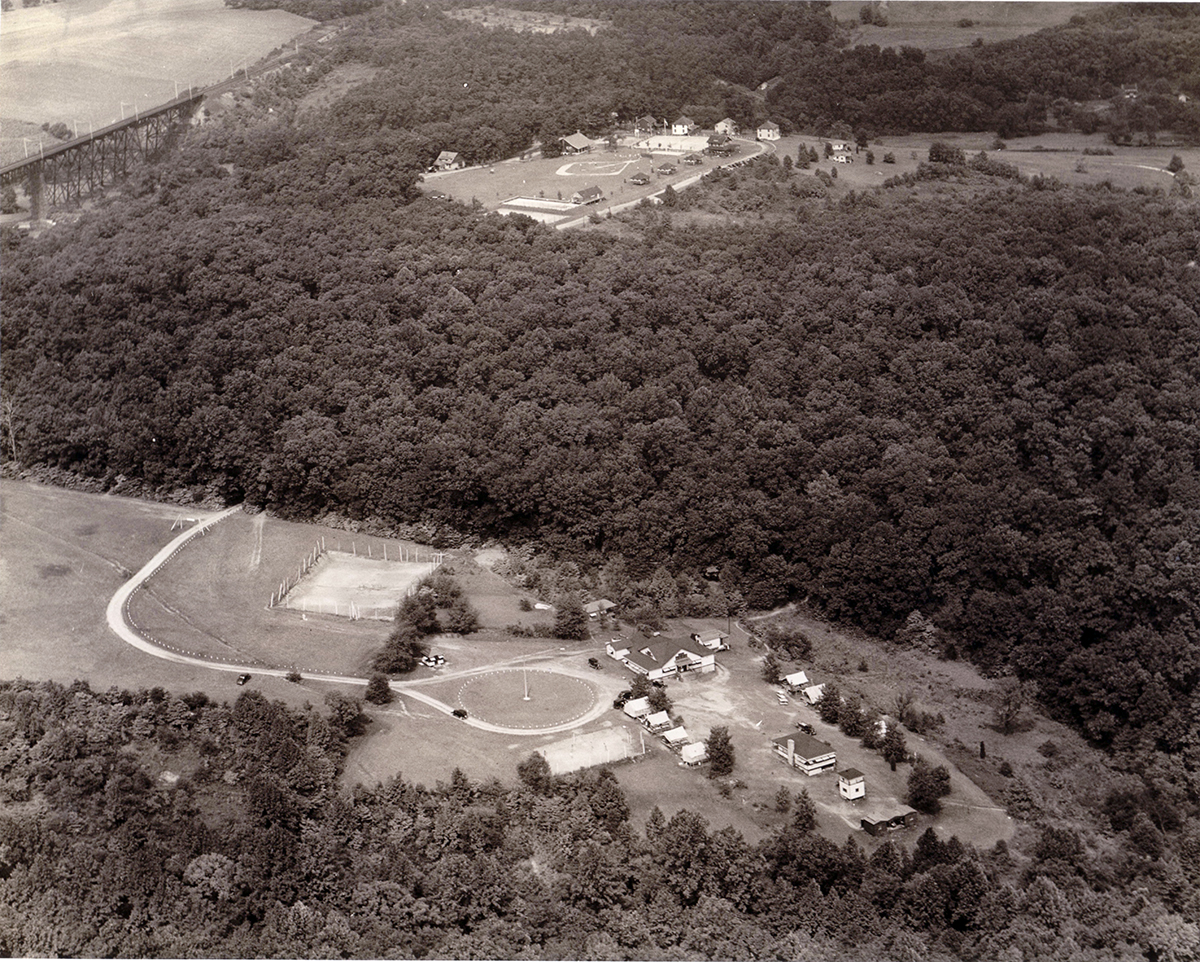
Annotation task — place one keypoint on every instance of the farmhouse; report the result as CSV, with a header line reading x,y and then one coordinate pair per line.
x,y
589,195
712,640
720,144
728,126
646,125
602,605
804,752
683,126
616,649
577,143
852,784
768,131
637,707
665,658
796,681
448,160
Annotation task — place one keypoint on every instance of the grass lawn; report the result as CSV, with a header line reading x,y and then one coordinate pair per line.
x,y
934,26
493,184
212,599
62,556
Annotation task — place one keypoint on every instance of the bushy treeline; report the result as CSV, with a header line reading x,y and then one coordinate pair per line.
x,y
1008,86
152,825
983,408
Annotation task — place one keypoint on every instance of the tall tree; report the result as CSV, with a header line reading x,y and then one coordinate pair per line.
x,y
721,757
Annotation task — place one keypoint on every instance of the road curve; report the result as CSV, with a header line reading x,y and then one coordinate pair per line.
x,y
118,621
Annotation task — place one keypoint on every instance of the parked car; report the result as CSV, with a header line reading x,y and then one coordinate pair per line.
x,y
594,663
783,699
806,728
242,679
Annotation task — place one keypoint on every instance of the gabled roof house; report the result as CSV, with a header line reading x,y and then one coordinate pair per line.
x,y
664,658
811,755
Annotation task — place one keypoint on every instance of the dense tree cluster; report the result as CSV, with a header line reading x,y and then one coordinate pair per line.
x,y
1012,86
144,823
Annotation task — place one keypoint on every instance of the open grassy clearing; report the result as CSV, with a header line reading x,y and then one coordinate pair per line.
x,y
933,26
493,184
77,62
1058,155
212,599
62,556
524,21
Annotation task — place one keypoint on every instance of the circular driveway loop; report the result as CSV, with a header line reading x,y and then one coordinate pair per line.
x,y
498,698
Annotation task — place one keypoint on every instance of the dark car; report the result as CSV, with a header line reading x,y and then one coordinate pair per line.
x,y
242,679
459,713
807,728
594,663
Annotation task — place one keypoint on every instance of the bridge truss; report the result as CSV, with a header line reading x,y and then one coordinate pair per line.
x,y
71,171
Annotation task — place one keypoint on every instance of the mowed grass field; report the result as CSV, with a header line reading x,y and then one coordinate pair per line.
x,y
1058,155
493,184
62,556
933,26
212,599
75,62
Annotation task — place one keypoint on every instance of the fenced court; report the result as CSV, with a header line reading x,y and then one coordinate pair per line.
x,y
589,749
350,584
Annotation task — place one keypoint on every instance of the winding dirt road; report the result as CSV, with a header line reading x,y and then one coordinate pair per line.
x,y
118,621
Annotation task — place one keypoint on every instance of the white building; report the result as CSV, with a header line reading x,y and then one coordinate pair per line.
x,y
852,784
804,752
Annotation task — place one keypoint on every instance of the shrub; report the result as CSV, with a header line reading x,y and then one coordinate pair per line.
x,y
378,690
942,153
927,786
293,677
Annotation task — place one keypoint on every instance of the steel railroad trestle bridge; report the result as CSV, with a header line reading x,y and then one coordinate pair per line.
x,y
78,167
